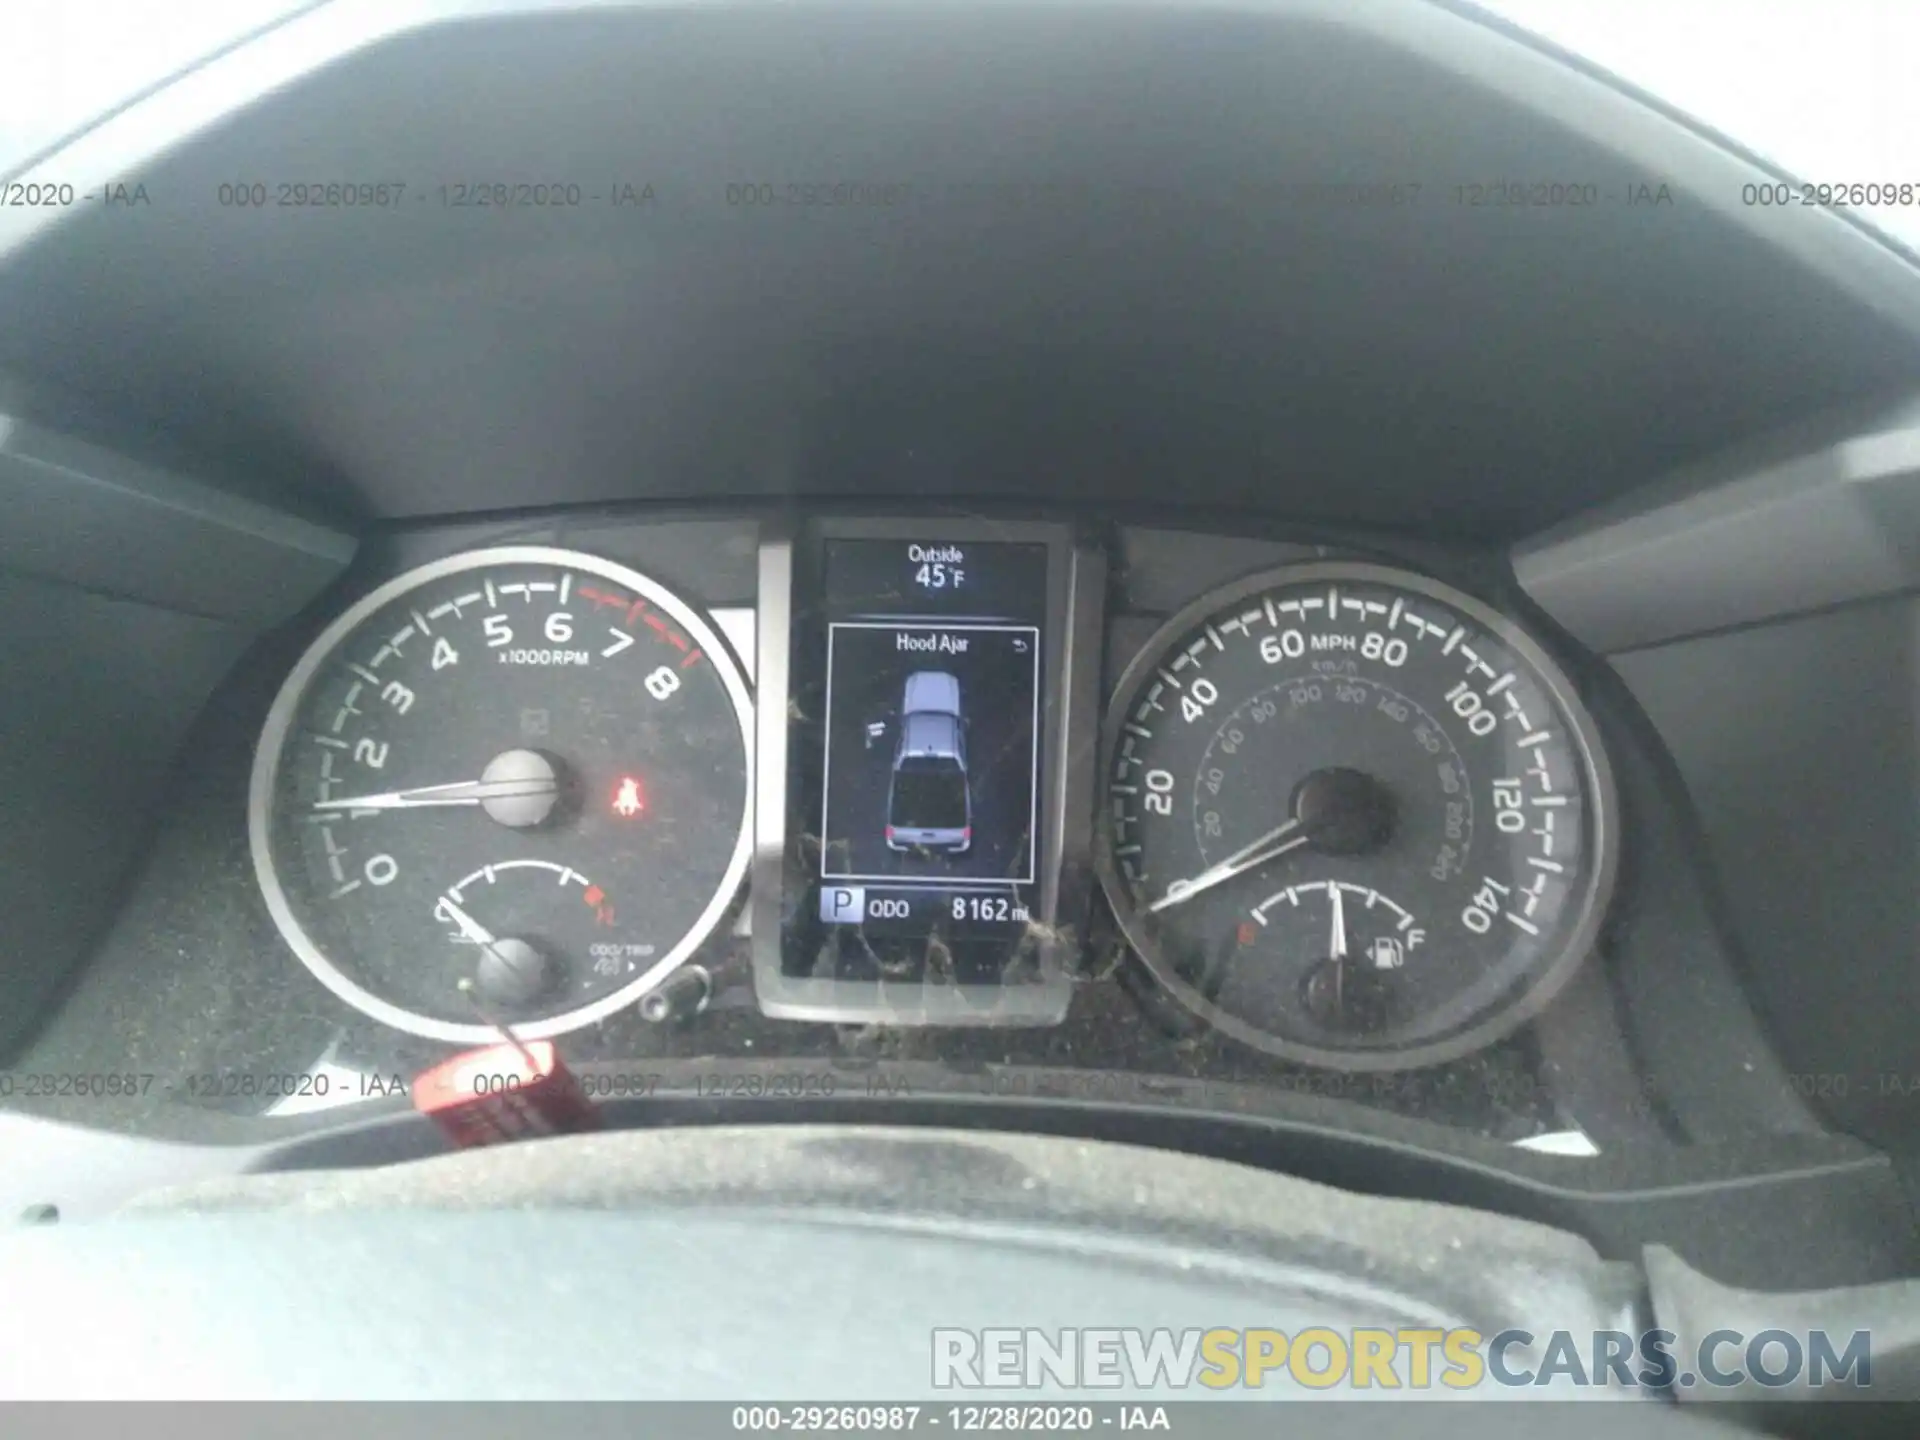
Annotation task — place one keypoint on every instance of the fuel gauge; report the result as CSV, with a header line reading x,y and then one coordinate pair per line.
x,y
1336,920
1344,955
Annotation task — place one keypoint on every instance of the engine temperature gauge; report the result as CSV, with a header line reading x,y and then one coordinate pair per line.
x,y
520,948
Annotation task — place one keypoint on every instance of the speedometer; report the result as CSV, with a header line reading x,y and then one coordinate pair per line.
x,y
1354,817
511,786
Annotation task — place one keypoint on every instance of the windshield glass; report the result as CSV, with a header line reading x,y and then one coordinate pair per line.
x,y
78,61
929,794
1821,88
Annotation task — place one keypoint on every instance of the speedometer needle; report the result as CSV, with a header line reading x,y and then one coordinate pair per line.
x,y
1277,841
1338,811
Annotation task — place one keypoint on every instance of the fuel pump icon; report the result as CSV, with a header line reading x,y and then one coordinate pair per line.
x,y
1387,953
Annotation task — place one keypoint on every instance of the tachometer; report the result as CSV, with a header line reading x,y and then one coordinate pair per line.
x,y
512,785
1354,817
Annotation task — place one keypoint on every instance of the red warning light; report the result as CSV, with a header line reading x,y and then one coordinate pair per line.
x,y
596,898
627,798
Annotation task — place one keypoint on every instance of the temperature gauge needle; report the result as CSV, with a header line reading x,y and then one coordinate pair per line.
x,y
511,972
468,926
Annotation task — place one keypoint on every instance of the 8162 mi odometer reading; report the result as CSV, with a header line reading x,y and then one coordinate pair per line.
x,y
1354,817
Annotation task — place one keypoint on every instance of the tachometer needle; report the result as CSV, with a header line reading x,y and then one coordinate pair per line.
x,y
461,792
519,789
1277,841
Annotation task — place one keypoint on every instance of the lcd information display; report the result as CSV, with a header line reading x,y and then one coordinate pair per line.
x,y
930,777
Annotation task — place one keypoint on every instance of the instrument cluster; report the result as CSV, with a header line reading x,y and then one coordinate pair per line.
x,y
1334,812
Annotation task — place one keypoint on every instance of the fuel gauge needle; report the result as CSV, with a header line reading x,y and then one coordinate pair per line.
x,y
1338,945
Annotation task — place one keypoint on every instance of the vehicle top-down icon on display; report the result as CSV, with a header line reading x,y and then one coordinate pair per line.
x,y
928,804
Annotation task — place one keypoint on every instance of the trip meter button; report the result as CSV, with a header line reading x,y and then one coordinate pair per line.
x,y
1355,817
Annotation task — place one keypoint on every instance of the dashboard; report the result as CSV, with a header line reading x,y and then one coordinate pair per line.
x,y
864,562
932,805
822,804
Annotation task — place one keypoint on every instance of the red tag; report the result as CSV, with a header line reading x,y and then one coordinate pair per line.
x,y
504,1092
